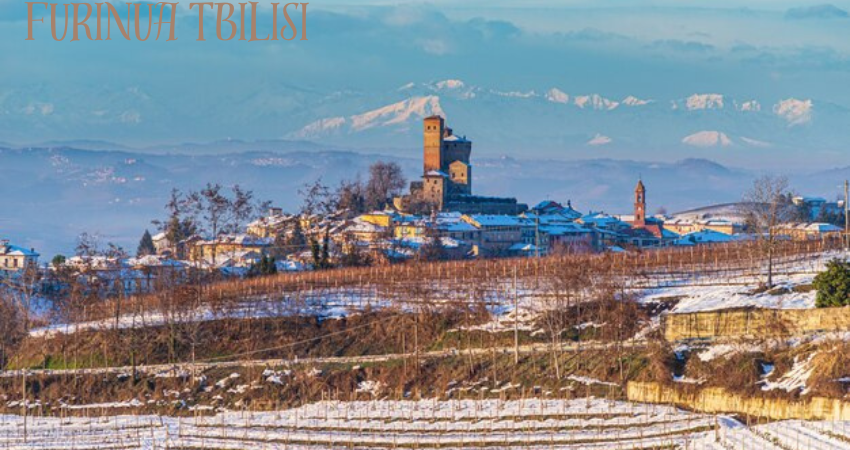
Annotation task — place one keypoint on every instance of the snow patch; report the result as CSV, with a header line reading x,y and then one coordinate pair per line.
x,y
449,84
751,105
595,101
794,111
556,95
795,379
634,101
704,101
600,139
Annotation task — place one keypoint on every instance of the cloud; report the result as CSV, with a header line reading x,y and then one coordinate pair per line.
x,y
682,46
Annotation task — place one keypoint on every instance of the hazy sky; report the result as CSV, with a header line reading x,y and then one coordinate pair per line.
x,y
150,92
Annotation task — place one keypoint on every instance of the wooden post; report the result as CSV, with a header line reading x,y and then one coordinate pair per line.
x,y
516,322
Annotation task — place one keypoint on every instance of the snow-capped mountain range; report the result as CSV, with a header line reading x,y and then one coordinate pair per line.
x,y
538,121
562,121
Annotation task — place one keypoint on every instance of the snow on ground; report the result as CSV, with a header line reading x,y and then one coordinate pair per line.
x,y
723,296
711,292
588,423
695,292
728,349
793,380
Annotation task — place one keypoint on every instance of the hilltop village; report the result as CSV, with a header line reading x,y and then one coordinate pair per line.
x,y
438,218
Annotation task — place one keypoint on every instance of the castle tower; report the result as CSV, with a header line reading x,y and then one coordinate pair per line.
x,y
434,128
640,206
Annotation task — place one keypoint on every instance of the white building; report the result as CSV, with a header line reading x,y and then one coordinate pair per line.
x,y
14,258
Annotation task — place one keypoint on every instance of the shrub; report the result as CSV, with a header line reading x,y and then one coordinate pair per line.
x,y
833,285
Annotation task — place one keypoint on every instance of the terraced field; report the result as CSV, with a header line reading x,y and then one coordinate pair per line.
x,y
543,424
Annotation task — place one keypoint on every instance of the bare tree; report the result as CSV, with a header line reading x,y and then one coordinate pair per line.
x,y
386,180
217,213
351,197
317,199
765,207
11,326
179,225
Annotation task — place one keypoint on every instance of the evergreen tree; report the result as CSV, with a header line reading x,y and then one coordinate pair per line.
x,y
295,241
316,251
833,285
58,261
146,246
266,266
325,262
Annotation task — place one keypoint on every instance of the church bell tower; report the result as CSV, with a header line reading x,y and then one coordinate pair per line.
x,y
640,206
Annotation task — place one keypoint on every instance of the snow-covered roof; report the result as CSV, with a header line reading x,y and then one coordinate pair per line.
x,y
239,239
153,261
418,242
823,227
563,229
816,227
14,250
601,220
436,173
456,226
704,237
361,226
552,207
493,220
455,138
272,221
550,218
805,199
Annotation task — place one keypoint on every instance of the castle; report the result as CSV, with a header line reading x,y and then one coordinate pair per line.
x,y
446,183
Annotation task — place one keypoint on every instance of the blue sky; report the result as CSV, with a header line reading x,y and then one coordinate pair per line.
x,y
657,49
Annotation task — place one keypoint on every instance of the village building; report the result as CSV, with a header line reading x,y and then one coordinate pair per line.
x,y
14,258
808,231
229,250
499,233
446,183
704,237
272,225
683,226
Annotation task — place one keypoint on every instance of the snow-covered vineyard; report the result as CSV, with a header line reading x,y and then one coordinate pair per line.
x,y
698,287
574,424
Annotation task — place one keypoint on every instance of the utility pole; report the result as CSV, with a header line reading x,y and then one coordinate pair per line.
x,y
537,234
516,322
846,219
24,404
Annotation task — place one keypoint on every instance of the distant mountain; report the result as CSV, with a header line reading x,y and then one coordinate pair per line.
x,y
825,11
50,195
541,121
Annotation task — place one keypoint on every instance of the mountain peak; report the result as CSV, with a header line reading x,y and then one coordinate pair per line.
x,y
707,139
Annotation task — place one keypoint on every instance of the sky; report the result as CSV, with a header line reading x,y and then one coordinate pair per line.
x,y
146,93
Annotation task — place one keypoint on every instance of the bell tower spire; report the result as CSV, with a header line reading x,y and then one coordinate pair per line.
x,y
640,206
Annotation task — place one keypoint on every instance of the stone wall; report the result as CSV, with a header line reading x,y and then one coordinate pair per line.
x,y
718,400
754,323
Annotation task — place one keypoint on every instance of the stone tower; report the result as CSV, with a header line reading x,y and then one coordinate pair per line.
x,y
640,206
433,136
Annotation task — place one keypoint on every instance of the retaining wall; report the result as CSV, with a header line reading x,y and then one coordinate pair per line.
x,y
754,323
718,400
